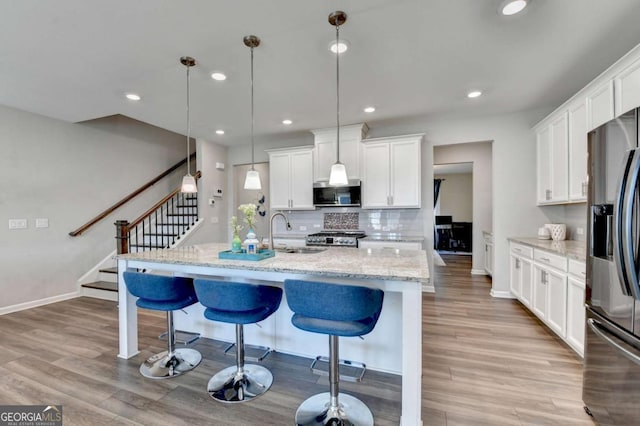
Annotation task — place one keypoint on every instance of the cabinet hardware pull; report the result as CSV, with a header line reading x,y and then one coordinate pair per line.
x,y
545,259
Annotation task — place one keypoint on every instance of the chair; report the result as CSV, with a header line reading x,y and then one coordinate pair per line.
x,y
164,293
239,304
336,310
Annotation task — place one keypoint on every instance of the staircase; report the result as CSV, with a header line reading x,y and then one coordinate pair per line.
x,y
165,225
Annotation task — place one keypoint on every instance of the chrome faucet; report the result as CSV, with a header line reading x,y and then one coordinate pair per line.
x,y
286,219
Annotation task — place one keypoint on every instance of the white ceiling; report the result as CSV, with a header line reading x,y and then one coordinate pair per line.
x,y
74,59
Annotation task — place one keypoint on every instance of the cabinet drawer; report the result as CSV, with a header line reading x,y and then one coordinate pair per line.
x,y
577,269
549,259
522,250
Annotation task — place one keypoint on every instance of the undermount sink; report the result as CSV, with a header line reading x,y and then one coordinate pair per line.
x,y
305,250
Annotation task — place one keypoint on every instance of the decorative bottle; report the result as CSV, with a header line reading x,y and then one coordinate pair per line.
x,y
236,243
251,243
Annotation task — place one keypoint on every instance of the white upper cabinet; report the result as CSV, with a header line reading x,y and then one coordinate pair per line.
x,y
391,173
627,88
291,178
578,151
553,165
600,108
350,150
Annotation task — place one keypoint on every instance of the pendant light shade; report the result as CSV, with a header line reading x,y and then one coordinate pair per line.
x,y
338,174
188,181
252,181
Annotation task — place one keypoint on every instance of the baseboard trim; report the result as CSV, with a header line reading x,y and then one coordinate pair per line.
x,y
479,272
428,288
501,294
39,302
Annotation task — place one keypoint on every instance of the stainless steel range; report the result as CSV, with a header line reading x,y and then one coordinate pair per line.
x,y
335,238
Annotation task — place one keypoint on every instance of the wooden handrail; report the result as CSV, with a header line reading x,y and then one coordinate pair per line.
x,y
129,197
157,205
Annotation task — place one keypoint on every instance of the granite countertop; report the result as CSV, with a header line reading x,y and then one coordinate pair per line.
x,y
572,249
377,264
290,236
394,237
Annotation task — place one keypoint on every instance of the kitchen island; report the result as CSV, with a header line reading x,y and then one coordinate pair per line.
x,y
395,345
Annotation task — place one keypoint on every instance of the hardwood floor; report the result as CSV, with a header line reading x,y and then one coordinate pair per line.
x,y
485,362
489,361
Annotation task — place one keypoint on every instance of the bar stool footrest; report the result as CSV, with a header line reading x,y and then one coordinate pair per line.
x,y
253,353
182,337
350,371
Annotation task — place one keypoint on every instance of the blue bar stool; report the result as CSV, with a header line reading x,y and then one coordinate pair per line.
x,y
336,310
165,293
239,304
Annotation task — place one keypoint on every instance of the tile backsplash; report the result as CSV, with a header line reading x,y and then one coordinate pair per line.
x,y
400,221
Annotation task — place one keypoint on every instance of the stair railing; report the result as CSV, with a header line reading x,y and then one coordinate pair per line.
x,y
129,197
161,225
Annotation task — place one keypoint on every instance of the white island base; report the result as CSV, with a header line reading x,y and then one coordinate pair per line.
x,y
394,346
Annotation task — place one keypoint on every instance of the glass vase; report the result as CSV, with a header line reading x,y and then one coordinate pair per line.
x,y
236,244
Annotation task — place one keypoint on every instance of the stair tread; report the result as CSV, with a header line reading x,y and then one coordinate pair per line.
x,y
102,285
113,270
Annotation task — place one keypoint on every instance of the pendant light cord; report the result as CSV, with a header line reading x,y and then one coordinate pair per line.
x,y
338,93
188,126
252,120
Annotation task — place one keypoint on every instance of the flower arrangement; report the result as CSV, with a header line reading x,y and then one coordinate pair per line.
x,y
235,226
249,211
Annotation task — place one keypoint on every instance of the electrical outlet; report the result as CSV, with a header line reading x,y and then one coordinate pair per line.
x,y
17,223
580,231
218,193
211,201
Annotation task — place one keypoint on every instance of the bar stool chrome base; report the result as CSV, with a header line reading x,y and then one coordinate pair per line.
x,y
162,366
315,411
231,386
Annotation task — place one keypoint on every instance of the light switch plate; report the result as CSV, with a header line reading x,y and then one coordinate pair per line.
x,y
17,223
42,222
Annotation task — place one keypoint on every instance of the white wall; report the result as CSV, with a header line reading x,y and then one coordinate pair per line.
x,y
69,173
456,196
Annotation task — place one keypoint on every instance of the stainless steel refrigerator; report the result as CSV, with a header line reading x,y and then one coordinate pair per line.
x,y
611,380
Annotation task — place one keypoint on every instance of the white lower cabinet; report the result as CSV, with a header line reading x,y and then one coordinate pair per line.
x,y
575,306
552,287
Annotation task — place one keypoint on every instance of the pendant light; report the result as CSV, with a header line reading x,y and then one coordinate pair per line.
x,y
188,182
338,174
252,181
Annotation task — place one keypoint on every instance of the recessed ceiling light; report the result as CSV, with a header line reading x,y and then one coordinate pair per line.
x,y
133,97
369,109
287,122
511,7
218,76
474,94
219,132
343,46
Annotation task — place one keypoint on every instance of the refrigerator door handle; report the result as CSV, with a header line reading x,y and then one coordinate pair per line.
x,y
602,332
623,235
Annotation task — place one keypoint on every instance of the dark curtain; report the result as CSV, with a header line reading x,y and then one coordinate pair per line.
x,y
436,191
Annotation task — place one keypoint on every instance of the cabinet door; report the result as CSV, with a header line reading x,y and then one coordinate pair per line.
x,y
556,314
575,314
279,179
325,156
350,155
628,89
578,152
405,174
544,165
526,279
301,180
375,175
540,278
559,159
600,108
515,276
